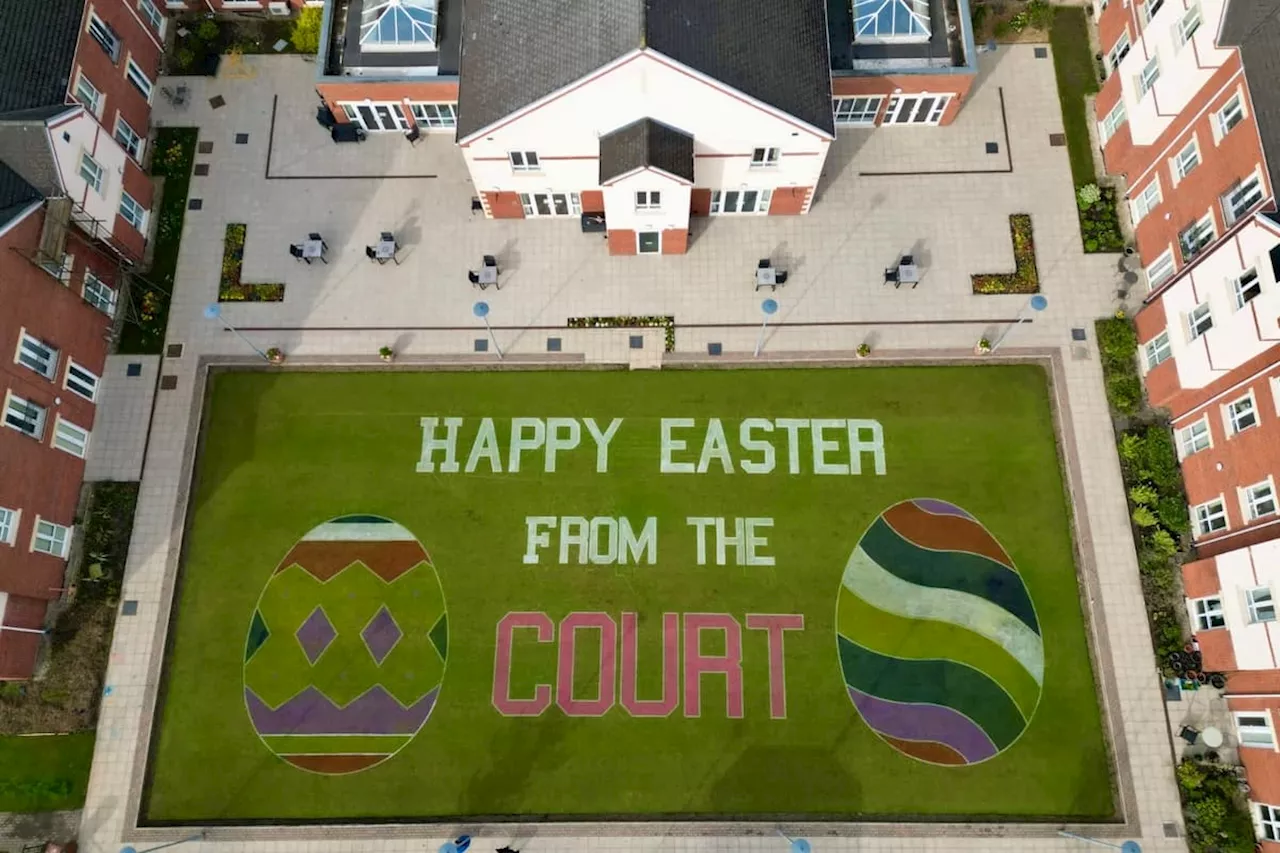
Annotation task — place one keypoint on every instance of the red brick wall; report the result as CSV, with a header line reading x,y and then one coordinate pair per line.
x,y
437,91
700,203
622,242
789,201
504,205
592,201
675,241
1262,765
909,84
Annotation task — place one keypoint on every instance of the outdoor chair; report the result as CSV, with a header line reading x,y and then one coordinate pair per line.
x,y
473,277
490,261
781,277
891,276
413,135
764,264
295,249
371,253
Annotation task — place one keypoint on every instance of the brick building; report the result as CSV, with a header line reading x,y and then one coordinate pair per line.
x,y
76,81
1190,116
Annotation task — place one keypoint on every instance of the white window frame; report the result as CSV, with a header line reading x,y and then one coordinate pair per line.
x,y
648,200
1242,198
92,172
105,37
764,198
524,161
1259,500
1268,818
1161,269
765,157
1233,413
1194,437
135,75
1187,25
1147,200
1147,78
1259,608
1205,611
58,535
857,110
133,213
11,401
1246,287
1206,517
153,15
38,356
435,115
1275,392
89,95
70,438
1229,116
129,140
1185,161
528,203
80,380
1112,122
1149,10
1199,321
9,519
1201,227
92,293
1157,350
1119,51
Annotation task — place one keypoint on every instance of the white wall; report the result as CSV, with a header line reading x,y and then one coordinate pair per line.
x,y
1181,75
1256,646
638,86
620,203
1234,338
86,135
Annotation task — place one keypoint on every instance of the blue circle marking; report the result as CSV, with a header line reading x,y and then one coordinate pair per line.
x,y
212,311
1131,847
801,845
770,306
1039,303
480,309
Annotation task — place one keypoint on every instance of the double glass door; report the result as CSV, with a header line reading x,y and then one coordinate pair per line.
x,y
916,109
377,117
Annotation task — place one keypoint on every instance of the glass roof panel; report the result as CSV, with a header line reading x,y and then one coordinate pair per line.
x,y
891,20
398,25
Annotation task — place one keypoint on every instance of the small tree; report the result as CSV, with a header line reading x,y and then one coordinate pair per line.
x,y
306,31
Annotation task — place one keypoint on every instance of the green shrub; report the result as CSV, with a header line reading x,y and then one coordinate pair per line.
x,y
306,31
1143,517
208,30
1024,278
1217,819
1161,543
1158,460
1124,393
1143,495
1039,14
1087,196
1117,342
1172,510
1130,448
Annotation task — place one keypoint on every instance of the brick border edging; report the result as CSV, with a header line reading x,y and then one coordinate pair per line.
x,y
1096,632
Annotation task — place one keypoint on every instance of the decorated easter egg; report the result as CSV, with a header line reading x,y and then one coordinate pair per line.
x,y
939,642
347,646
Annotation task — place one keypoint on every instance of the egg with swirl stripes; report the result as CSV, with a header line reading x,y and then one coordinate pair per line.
x,y
939,643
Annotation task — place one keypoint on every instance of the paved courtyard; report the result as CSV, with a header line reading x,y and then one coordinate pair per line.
x,y
951,211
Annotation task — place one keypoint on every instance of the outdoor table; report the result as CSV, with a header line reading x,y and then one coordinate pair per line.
x,y
488,276
313,249
386,249
909,274
1211,737
766,277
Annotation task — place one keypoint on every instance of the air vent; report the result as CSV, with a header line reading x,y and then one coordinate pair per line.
x,y
279,9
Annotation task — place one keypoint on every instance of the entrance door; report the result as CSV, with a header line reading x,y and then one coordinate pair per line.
x,y
916,109
379,117
649,242
551,204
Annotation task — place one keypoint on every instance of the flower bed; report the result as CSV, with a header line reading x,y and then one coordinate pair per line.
x,y
1024,278
230,287
663,322
1099,222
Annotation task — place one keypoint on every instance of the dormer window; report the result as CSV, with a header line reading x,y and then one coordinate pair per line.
x,y
398,26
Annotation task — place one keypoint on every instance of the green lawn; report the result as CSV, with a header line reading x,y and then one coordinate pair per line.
x,y
42,774
1077,79
286,452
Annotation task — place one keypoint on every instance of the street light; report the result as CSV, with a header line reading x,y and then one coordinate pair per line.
x,y
199,836
1125,847
481,310
213,311
768,308
1036,303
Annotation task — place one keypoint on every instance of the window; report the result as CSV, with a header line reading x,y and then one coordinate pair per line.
x,y
1241,414
1262,608
1253,728
50,538
761,157
8,526
1210,517
1119,52
1150,74
651,200
1188,158
88,95
740,201
128,138
152,14
98,294
24,416
37,355
1157,350
1196,236
1269,821
139,80
133,213
523,161
436,115
1208,613
1242,199
91,172
1231,114
1199,321
1188,24
1259,500
1194,438
551,204
105,37
1147,200
1247,287
70,438
82,381
1160,270
1150,8
856,110
1113,122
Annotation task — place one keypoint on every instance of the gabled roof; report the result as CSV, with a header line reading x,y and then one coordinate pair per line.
x,y
27,149
16,195
1254,27
515,52
646,144
37,48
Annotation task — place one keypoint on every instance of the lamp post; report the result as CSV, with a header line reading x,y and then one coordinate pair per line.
x,y
481,310
1124,847
213,311
1036,303
199,836
767,308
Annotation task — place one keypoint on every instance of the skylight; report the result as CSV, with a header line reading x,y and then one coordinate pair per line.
x,y
398,25
891,20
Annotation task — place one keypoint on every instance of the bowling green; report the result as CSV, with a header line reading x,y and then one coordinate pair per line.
x,y
642,508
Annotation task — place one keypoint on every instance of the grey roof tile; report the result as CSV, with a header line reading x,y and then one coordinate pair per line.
x,y
15,195
646,143
37,49
1254,27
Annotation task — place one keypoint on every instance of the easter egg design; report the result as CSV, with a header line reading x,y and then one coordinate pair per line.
x,y
347,646
938,638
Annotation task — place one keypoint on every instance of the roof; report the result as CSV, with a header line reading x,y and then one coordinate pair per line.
x,y
1254,27
515,52
37,48
390,36
25,147
16,195
646,144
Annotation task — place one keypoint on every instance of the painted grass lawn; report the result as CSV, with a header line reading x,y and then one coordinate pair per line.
x,y
284,453
43,774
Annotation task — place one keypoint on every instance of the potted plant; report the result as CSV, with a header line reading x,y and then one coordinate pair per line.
x,y
275,355
864,349
983,347
386,353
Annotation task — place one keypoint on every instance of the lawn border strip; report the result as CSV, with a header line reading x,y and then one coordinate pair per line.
x,y
1126,823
